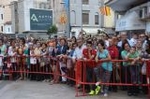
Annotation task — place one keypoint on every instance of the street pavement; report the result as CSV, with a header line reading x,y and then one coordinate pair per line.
x,y
42,90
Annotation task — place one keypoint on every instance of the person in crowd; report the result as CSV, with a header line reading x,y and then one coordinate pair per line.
x,y
114,53
67,55
133,55
134,39
142,38
37,52
145,55
12,52
21,59
124,38
74,39
89,54
33,62
53,52
44,63
61,51
125,74
104,70
78,55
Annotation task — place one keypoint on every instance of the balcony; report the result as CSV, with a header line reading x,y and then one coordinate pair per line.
x,y
124,5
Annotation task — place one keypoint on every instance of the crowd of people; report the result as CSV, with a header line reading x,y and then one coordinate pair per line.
x,y
61,54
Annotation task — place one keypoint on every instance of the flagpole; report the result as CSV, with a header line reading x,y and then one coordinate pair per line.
x,y
67,7
81,16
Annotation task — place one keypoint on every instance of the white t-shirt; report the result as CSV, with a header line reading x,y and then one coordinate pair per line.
x,y
78,53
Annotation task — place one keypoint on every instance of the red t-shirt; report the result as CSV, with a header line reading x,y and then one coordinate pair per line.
x,y
87,56
113,51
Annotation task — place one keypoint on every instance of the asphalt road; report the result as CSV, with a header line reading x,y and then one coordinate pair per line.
x,y
42,90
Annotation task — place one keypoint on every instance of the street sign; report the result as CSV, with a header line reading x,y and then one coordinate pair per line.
x,y
40,19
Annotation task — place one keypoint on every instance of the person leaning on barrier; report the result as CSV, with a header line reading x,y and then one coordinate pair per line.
x,y
103,71
89,54
133,56
78,55
61,52
12,52
114,53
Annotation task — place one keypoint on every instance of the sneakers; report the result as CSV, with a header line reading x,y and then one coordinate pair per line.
x,y
97,90
105,94
97,83
91,92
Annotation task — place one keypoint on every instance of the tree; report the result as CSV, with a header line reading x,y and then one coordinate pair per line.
x,y
52,30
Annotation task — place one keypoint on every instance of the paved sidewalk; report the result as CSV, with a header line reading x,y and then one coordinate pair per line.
x,y
40,90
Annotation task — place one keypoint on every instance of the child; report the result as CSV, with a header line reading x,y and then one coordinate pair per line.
x,y
133,57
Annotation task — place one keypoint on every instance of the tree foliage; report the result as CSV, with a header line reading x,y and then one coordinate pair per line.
x,y
52,30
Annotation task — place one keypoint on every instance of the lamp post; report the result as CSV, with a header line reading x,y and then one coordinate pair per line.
x,y
68,17
81,16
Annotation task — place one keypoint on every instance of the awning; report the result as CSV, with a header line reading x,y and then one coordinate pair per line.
x,y
148,27
130,22
123,5
87,30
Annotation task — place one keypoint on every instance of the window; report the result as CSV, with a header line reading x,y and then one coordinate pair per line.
x,y
2,28
85,18
73,17
43,5
96,19
2,16
8,29
85,1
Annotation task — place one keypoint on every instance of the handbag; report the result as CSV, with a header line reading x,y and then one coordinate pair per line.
x,y
143,70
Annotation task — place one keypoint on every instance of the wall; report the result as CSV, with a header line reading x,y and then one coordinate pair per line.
x,y
93,7
148,27
8,29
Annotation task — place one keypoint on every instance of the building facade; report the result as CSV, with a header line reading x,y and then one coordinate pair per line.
x,y
5,16
135,15
21,11
85,15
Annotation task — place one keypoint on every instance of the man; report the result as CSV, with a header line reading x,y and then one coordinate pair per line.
x,y
142,38
61,51
124,39
78,55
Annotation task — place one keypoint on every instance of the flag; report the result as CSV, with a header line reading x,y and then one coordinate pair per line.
x,y
105,10
63,18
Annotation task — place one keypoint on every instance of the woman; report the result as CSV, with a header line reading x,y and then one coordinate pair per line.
x,y
21,59
74,40
44,62
12,52
37,52
33,62
104,70
125,73
3,50
145,55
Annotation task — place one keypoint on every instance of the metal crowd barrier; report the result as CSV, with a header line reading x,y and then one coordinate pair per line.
x,y
21,66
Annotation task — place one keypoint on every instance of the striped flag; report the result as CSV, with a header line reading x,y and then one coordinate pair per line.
x,y
105,10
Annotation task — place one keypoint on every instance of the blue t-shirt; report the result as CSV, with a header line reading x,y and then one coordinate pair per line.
x,y
104,55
